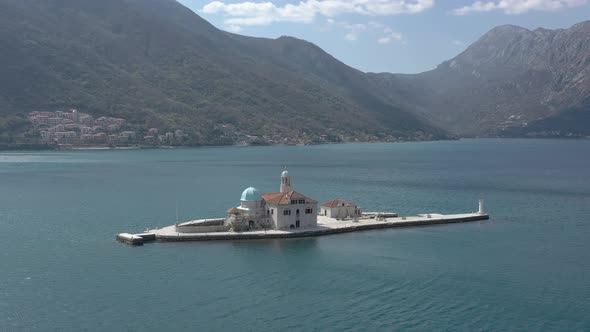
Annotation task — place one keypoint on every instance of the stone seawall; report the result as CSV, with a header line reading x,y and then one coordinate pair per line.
x,y
322,230
201,229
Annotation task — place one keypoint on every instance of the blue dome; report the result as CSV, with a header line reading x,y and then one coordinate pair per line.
x,y
251,194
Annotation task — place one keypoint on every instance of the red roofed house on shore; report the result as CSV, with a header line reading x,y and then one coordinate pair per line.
x,y
340,209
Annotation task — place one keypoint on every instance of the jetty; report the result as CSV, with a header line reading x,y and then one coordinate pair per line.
x,y
325,226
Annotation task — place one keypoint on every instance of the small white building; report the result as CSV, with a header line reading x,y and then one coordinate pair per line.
x,y
340,209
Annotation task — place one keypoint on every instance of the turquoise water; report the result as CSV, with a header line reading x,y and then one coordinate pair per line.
x,y
528,268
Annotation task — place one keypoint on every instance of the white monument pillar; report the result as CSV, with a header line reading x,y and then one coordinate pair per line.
x,y
481,208
285,182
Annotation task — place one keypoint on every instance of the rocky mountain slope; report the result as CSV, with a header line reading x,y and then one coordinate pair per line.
x,y
156,63
512,81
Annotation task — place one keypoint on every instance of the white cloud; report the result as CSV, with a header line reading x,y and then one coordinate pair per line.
x,y
351,36
376,25
517,6
355,30
458,43
233,28
264,13
390,36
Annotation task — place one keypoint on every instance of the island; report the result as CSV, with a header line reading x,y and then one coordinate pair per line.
x,y
290,214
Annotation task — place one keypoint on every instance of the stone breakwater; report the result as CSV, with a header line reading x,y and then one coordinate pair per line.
x,y
326,226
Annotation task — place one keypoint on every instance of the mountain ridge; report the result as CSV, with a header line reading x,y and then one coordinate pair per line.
x,y
508,78
156,63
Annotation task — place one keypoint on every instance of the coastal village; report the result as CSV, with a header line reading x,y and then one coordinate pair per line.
x,y
72,128
65,129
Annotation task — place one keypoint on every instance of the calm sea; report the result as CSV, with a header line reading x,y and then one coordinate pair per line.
x,y
528,268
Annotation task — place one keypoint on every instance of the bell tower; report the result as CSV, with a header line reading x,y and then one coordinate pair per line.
x,y
285,182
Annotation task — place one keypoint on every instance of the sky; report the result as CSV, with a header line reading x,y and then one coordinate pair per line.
x,y
399,36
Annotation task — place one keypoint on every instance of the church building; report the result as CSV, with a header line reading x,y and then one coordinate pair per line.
x,y
284,210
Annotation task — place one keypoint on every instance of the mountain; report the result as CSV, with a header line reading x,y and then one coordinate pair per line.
x,y
158,64
511,82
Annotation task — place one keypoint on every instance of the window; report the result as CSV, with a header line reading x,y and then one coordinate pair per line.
x,y
293,201
267,212
272,211
308,211
301,201
286,212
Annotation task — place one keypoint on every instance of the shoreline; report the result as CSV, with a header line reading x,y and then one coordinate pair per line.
x,y
41,147
44,147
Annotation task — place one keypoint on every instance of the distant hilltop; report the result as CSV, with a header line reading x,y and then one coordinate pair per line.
x,y
159,65
511,82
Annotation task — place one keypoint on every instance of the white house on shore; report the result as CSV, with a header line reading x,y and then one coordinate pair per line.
x,y
340,209
284,210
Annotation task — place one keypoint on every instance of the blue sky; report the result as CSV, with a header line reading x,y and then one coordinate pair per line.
x,y
400,36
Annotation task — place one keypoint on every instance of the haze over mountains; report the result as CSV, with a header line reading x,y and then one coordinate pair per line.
x,y
157,63
512,81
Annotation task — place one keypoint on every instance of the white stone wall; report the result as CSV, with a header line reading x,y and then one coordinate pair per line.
x,y
253,219
272,216
340,212
284,222
201,229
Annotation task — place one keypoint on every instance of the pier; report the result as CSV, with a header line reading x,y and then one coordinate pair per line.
x,y
325,226
136,239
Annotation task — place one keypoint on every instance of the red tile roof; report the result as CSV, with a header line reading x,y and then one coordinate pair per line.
x,y
284,199
338,202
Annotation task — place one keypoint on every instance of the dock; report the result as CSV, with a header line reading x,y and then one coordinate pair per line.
x,y
325,226
136,239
